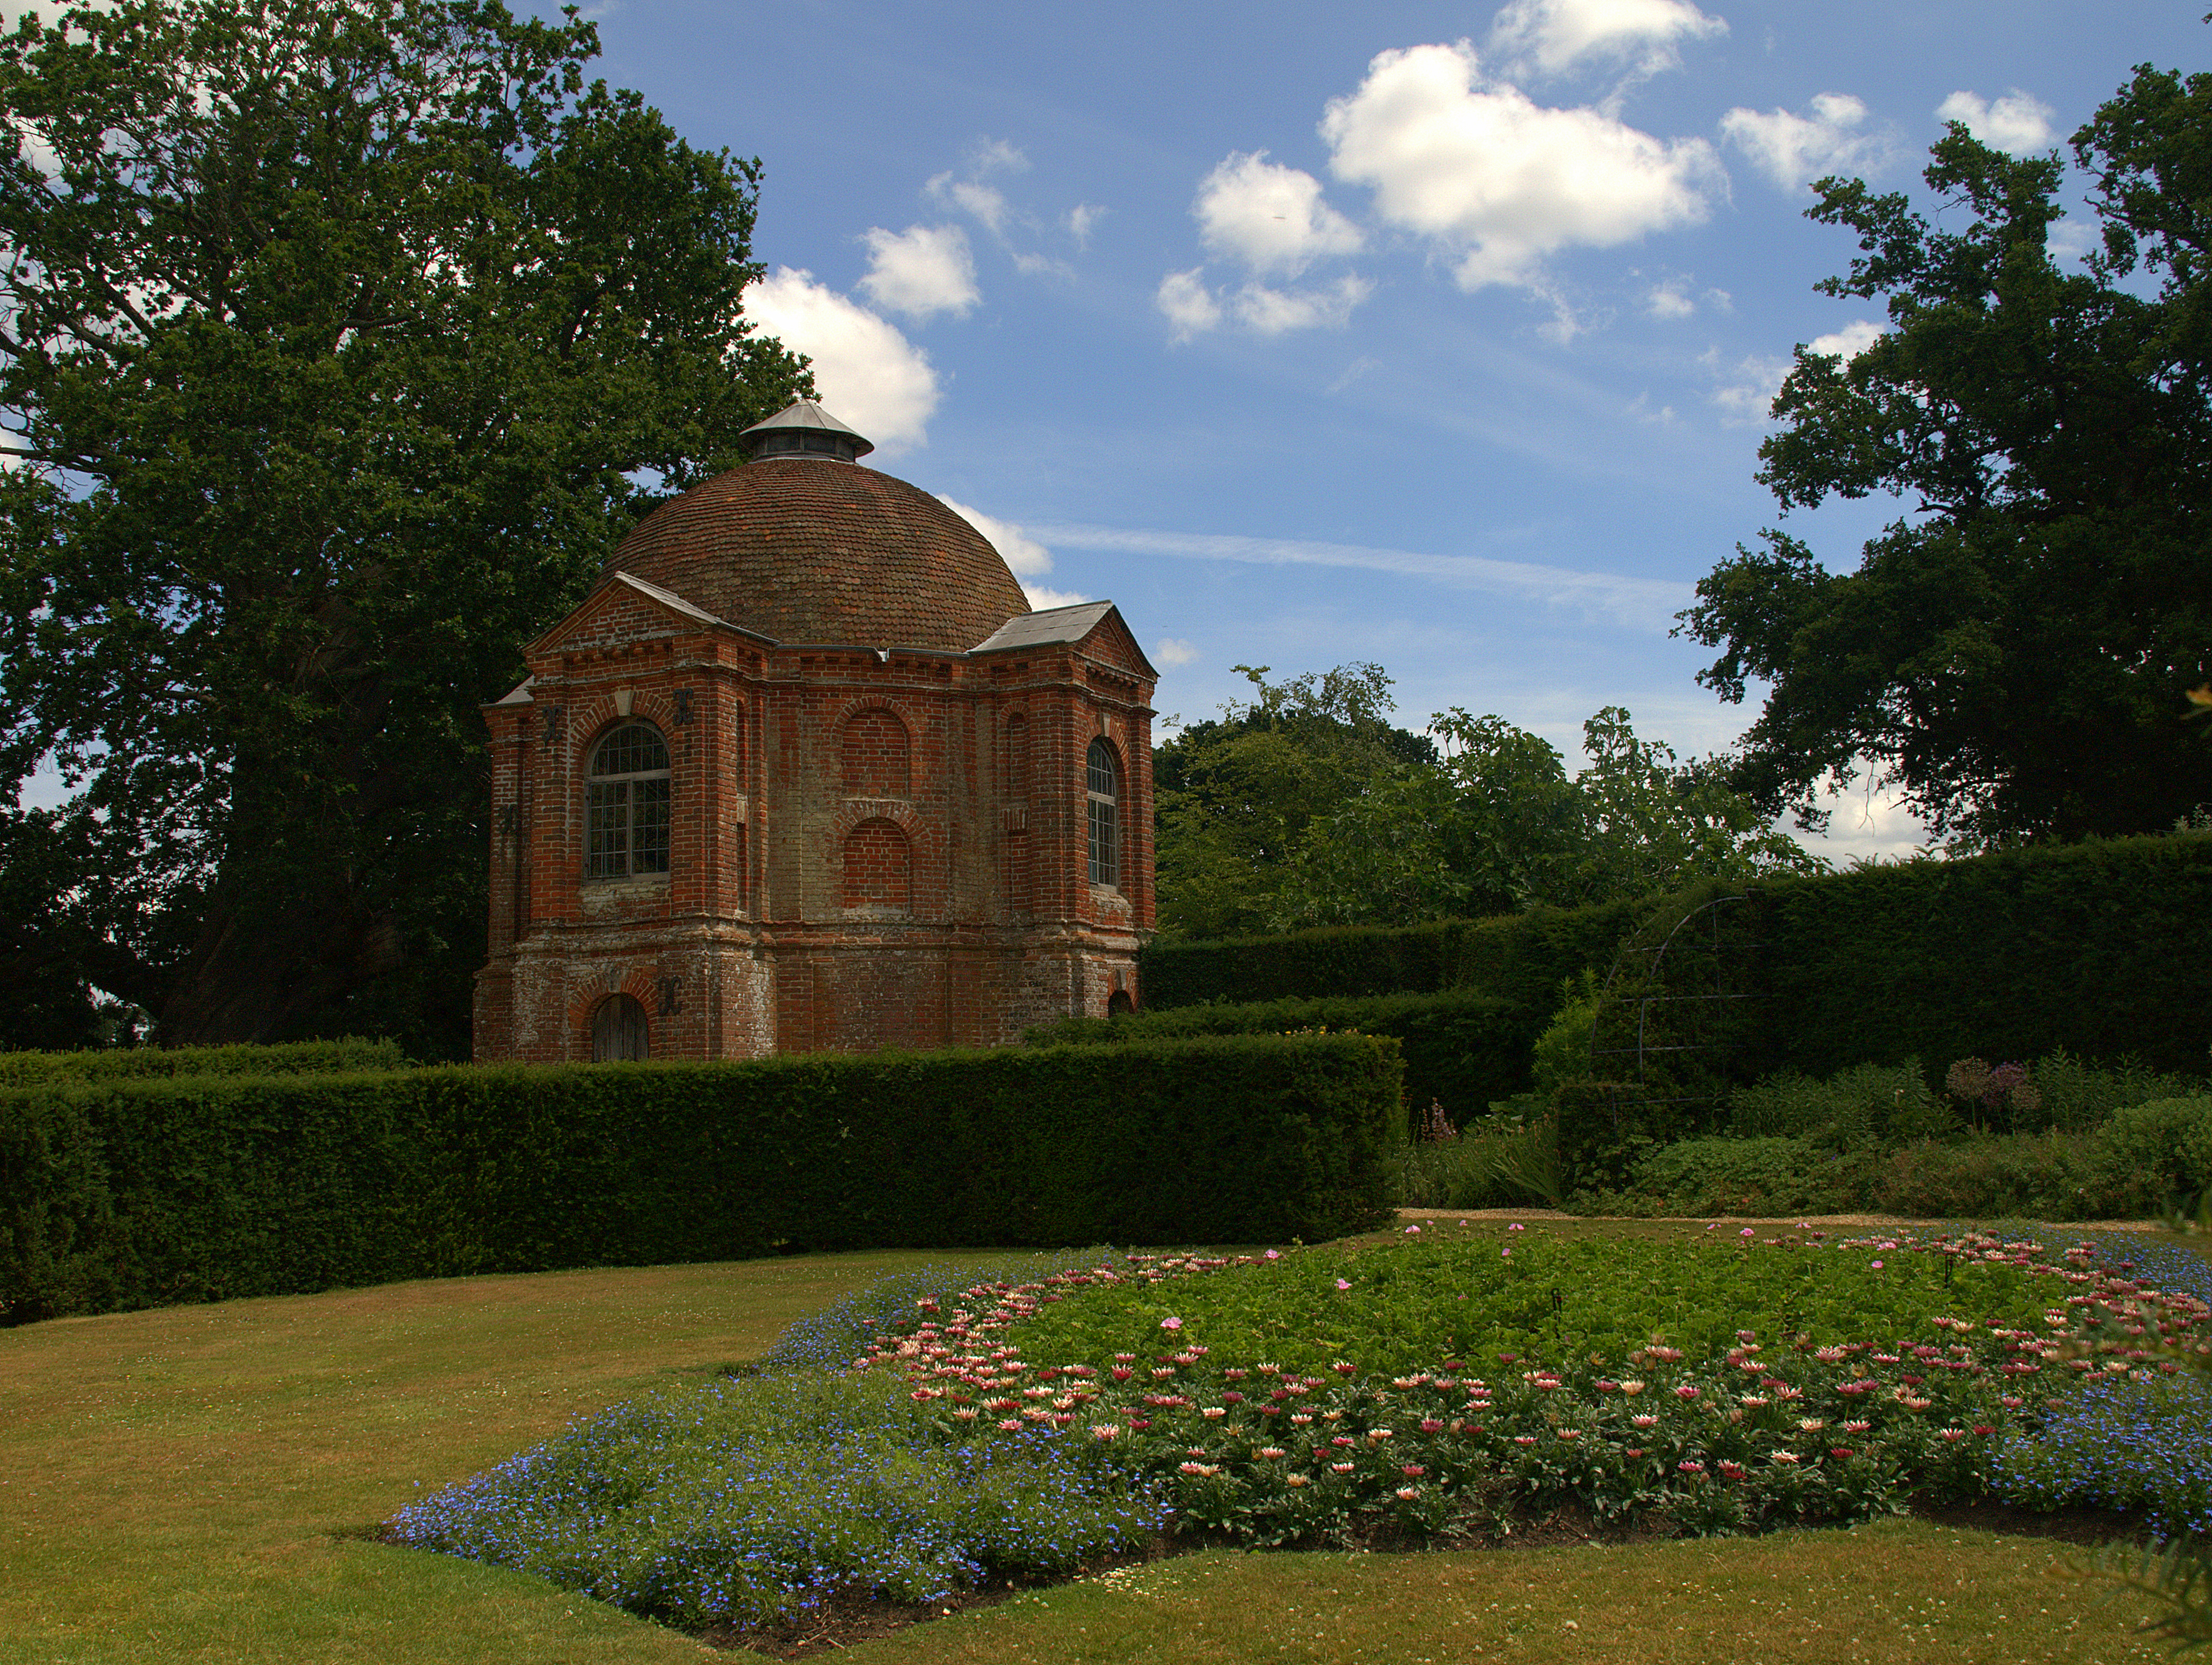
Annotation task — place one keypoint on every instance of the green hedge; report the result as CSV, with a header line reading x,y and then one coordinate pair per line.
x,y
135,1193
2097,947
1522,958
1462,1048
125,1064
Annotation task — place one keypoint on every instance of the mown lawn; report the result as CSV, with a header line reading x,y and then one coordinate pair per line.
x,y
197,1483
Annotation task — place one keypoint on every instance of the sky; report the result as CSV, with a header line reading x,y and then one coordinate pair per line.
x,y
1435,336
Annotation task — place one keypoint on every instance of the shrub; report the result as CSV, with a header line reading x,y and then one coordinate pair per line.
x,y
125,1064
129,1193
1462,1048
1866,1103
1522,958
2157,1155
2000,1175
1496,1163
1752,1176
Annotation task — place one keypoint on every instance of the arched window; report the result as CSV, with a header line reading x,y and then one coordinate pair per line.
x,y
618,1031
878,868
626,805
1102,781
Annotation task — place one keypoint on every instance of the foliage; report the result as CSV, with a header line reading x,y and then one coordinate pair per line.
x,y
2006,955
130,1193
845,1330
1866,1104
2176,1574
1822,1403
2163,1147
2014,658
1522,958
1232,797
1498,1162
1415,1301
339,338
115,1064
1496,826
2135,1446
1461,1049
736,1502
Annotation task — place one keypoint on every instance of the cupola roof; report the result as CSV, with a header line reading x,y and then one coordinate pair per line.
x,y
799,551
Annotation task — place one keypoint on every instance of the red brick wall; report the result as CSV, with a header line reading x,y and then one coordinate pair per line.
x,y
864,852
878,866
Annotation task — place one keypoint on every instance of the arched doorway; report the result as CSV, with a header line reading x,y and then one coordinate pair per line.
x,y
618,1031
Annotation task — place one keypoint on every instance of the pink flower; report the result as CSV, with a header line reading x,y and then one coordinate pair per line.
x,y
1516,1226
1715,1226
1345,1283
1686,1391
1413,1231
1506,1253
1171,1323
1877,1266
1275,1254
1746,1231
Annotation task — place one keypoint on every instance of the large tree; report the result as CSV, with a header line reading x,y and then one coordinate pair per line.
x,y
2014,653
1232,796
340,340
1497,825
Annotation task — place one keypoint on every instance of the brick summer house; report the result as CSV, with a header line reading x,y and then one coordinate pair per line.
x,y
804,772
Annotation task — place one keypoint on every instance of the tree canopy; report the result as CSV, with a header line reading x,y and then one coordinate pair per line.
x,y
340,341
1305,807
1233,797
2014,653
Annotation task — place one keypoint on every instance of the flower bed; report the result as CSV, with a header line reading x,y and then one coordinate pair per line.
x,y
1414,1388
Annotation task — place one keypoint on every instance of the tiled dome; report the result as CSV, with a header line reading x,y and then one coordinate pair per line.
x,y
818,549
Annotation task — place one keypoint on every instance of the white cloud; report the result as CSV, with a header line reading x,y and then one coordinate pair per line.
x,y
1172,651
1549,36
1649,603
1043,599
1268,216
1667,301
1850,340
1746,396
868,374
1188,303
1021,552
987,202
1748,388
1082,220
1794,150
1268,311
1479,166
920,270
2016,122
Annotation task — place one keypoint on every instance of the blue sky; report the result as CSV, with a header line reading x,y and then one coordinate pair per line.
x,y
1439,336
1434,335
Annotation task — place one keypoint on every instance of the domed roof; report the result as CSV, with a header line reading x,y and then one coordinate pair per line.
x,y
821,550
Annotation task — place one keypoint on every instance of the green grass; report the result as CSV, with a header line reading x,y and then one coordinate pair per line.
x,y
195,1484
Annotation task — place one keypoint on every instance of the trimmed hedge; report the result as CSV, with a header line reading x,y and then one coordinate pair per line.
x,y
2098,947
1522,958
1462,1048
125,1064
136,1193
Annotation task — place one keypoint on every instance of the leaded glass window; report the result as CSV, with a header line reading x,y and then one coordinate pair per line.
x,y
626,805
1103,778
